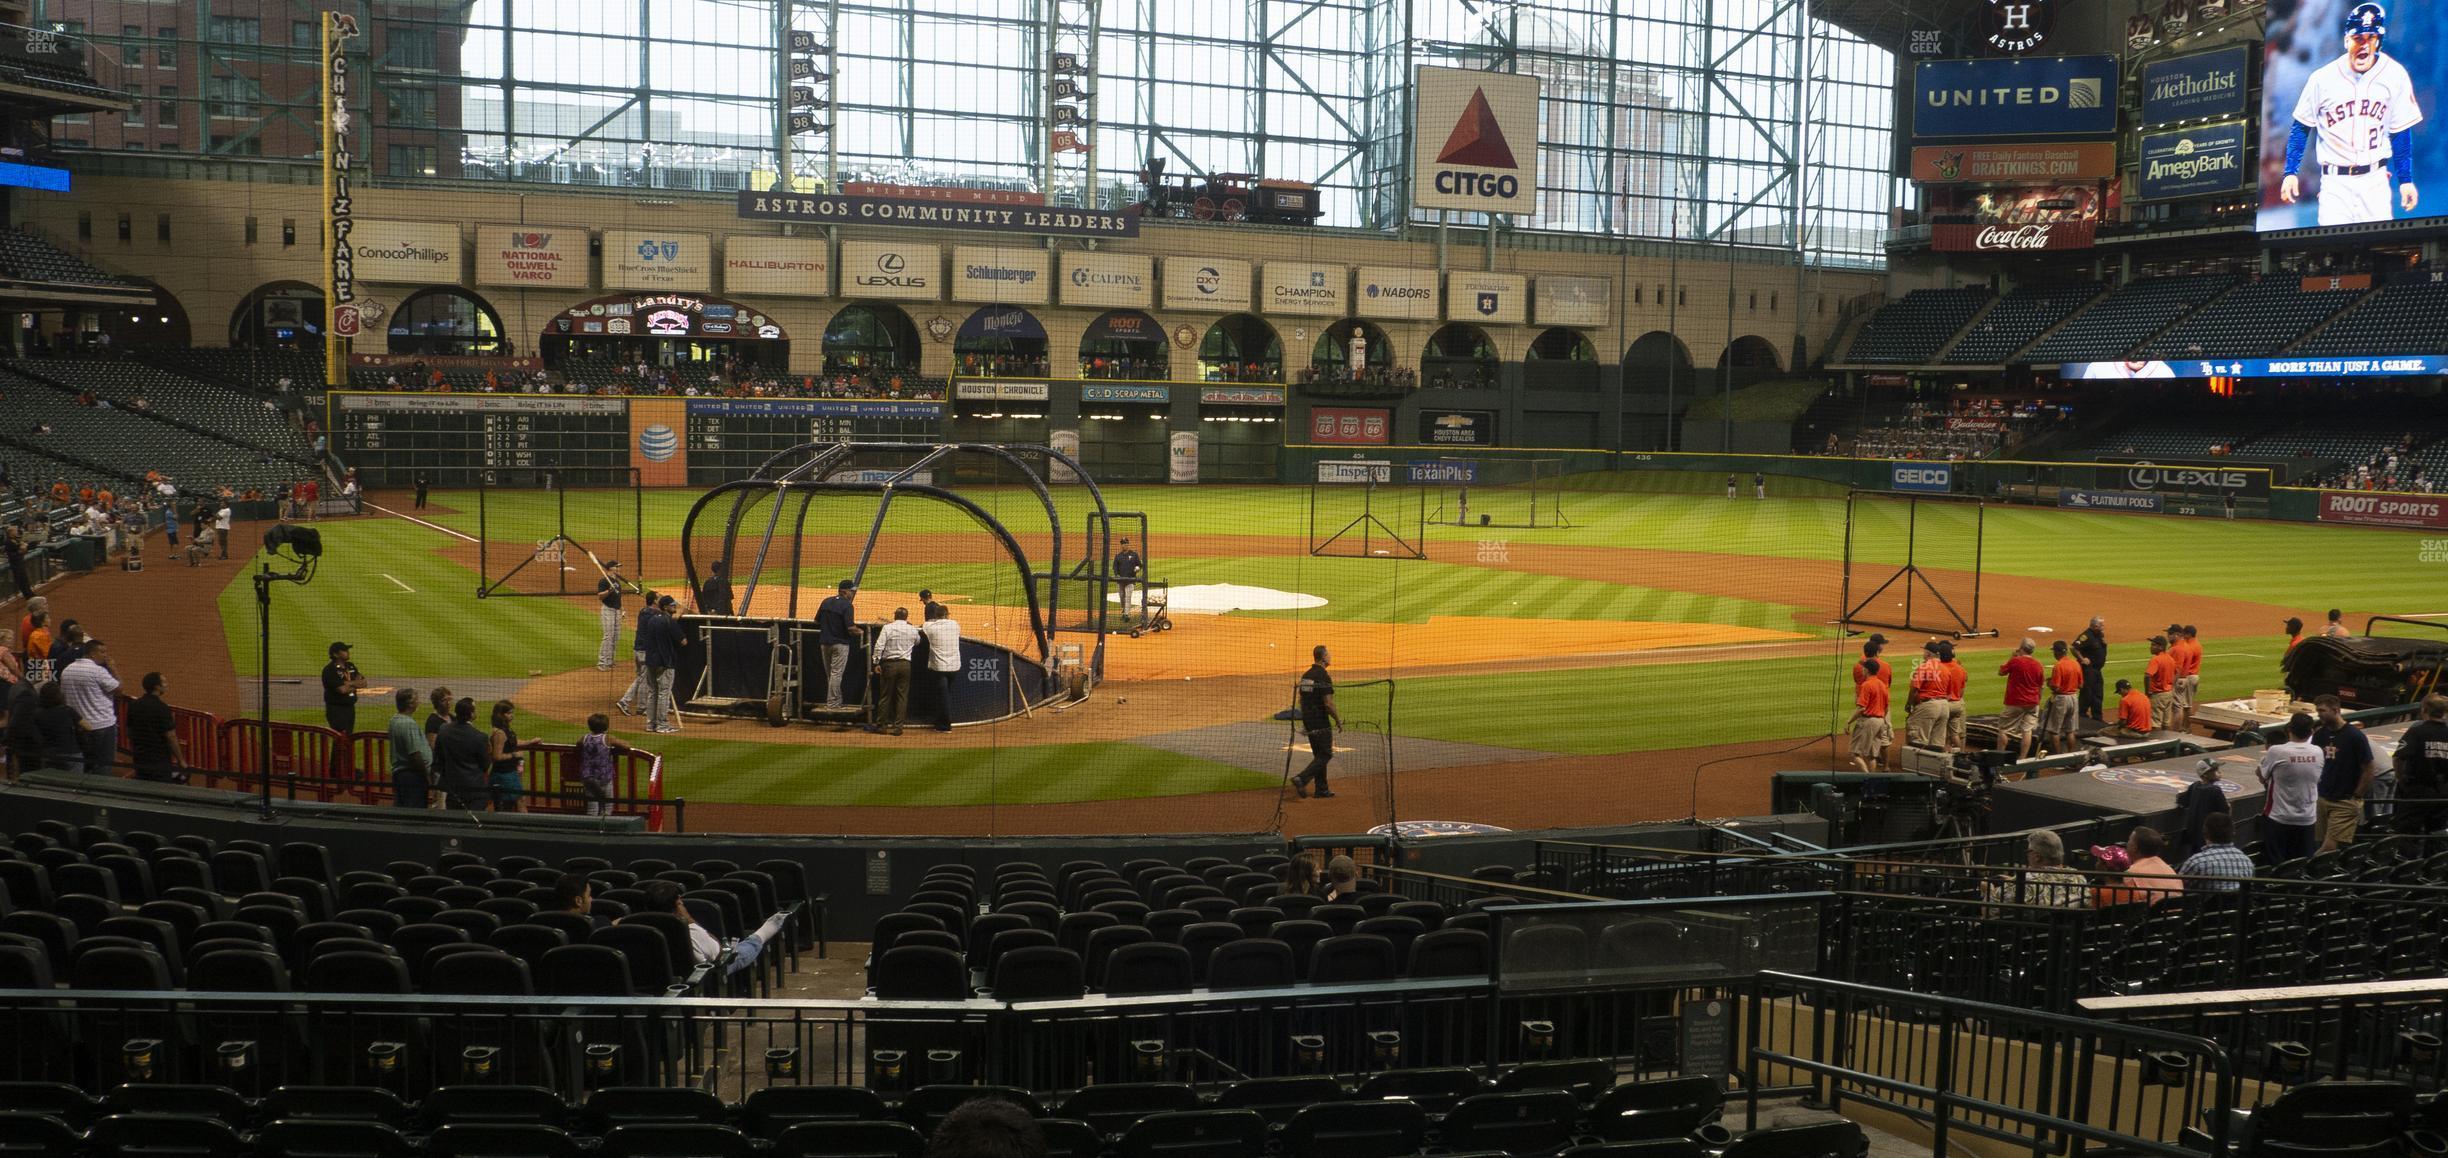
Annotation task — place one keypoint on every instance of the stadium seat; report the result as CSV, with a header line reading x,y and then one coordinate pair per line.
x,y
1112,1106
1837,1139
1193,1134
767,1112
32,1135
1356,1129
1040,973
163,1135
331,1138
339,1103
1148,967
501,1140
920,973
850,1140
924,1108
676,1140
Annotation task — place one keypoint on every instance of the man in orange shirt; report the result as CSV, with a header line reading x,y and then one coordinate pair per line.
x,y
2188,653
1956,679
2133,712
2159,678
1925,720
2022,716
2058,718
1872,667
1872,733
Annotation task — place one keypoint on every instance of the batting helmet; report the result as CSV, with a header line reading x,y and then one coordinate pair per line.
x,y
2367,19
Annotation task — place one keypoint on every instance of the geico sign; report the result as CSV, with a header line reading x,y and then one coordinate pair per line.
x,y
1462,184
1936,476
2143,476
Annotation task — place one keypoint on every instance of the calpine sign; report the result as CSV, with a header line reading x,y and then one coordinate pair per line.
x,y
1474,140
2012,238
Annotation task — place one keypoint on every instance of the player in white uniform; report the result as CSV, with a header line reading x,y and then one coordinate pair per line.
x,y
2129,370
2363,107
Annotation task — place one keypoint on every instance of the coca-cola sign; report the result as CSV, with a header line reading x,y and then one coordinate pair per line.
x,y
2008,238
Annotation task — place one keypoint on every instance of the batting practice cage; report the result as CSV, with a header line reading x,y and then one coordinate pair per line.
x,y
549,531
1493,492
1913,563
1358,510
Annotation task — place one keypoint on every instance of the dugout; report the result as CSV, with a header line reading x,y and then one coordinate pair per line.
x,y
1240,433
1123,430
1011,412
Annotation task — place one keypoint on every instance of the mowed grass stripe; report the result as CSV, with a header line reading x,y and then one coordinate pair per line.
x,y
746,772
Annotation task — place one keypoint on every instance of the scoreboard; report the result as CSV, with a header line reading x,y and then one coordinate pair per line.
x,y
464,440
467,439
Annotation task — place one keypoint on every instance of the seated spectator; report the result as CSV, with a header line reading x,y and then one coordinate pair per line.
x,y
1342,880
664,897
2220,864
2148,877
574,894
2048,884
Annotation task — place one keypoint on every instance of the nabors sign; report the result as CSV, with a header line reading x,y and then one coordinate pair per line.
x,y
1992,238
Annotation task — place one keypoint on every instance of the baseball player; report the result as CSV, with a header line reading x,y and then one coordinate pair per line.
x,y
2362,105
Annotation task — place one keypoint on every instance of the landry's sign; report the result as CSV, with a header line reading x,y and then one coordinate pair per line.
x,y
2384,510
2007,238
927,213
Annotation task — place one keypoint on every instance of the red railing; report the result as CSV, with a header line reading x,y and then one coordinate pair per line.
x,y
323,765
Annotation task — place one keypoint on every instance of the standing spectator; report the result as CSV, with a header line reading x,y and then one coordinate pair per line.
x,y
2337,625
2294,630
92,689
943,638
12,672
2159,680
43,730
714,598
424,483
2347,769
663,645
1872,731
2022,715
837,636
2291,773
1126,568
2091,651
503,759
2422,769
893,646
595,764
2219,866
2148,877
349,493
1925,702
608,613
1320,718
460,759
2133,720
2202,799
153,743
411,753
221,525
341,683
2060,720
436,720
12,542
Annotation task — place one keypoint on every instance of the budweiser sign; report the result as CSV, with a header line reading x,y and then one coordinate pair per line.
x,y
1986,238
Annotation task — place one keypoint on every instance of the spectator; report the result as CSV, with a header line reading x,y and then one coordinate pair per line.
x,y
12,672
595,763
2091,650
1300,876
943,638
2022,715
987,1127
2422,769
503,758
2294,630
43,734
2220,866
2291,773
92,689
2148,878
664,897
153,743
1872,731
640,696
2337,626
2204,798
1342,880
893,646
411,754
2159,679
575,895
663,646
1925,711
2047,882
2060,719
25,733
437,719
836,635
341,683
2347,769
460,759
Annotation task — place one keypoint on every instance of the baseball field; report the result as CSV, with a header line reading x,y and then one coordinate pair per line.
x,y
1654,660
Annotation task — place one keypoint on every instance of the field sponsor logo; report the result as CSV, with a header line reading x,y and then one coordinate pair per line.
x,y
1921,477
2019,26
658,443
1441,470
2056,96
1126,393
985,669
1241,395
2024,163
2385,510
2081,500
1489,125
2191,162
2012,238
1495,551
2143,476
2198,86
1350,425
2433,551
1355,471
1458,428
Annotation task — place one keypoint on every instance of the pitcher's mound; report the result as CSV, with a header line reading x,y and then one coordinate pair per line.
x,y
1218,598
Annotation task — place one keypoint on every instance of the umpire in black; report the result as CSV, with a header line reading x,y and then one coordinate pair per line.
x,y
1320,719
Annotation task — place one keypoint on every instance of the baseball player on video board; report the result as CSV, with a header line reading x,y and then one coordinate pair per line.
x,y
2363,108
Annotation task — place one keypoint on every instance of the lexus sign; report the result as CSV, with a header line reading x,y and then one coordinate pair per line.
x,y
2182,479
2009,238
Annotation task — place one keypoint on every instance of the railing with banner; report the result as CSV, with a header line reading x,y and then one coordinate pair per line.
x,y
313,758
199,734
551,772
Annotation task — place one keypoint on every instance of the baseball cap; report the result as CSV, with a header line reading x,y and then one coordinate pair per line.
x,y
611,563
1878,637
336,648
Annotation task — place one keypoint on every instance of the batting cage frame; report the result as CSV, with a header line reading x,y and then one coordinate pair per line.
x,y
1524,493
619,543
1366,533
1927,607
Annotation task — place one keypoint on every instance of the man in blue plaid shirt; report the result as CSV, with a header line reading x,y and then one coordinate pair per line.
x,y
2220,866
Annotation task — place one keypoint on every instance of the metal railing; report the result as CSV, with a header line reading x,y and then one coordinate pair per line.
x,y
2055,1083
2287,1035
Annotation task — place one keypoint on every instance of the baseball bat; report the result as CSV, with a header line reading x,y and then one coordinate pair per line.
x,y
629,585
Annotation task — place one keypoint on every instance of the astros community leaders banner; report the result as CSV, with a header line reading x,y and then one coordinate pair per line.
x,y
1474,140
923,213
1206,283
544,256
2033,96
777,266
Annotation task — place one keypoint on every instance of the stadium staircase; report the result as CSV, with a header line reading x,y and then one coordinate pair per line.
x,y
2398,318
1970,325
2254,319
2128,317
2020,318
1910,331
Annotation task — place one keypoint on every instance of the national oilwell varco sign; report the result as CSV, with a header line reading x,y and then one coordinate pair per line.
x,y
1474,140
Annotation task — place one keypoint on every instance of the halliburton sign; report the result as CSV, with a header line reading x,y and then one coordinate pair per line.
x,y
2384,510
2005,238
